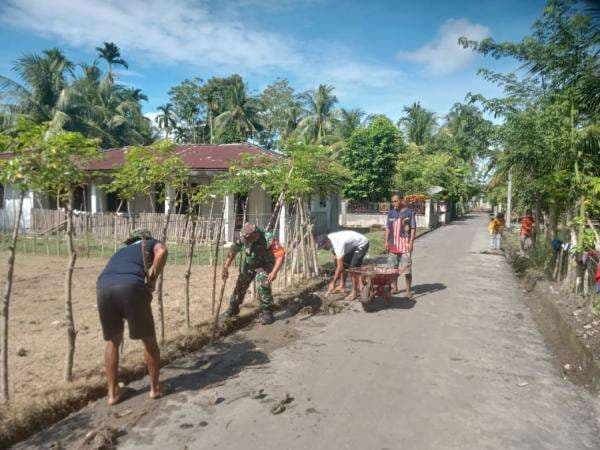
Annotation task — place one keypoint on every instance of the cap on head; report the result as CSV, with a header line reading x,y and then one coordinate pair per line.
x,y
247,230
138,234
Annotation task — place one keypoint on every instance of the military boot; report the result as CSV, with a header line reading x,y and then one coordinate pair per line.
x,y
267,318
232,311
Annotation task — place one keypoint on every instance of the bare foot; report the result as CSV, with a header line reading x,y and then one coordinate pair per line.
x,y
351,297
409,295
395,290
119,396
163,389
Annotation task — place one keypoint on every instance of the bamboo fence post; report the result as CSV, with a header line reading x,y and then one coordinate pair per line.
x,y
214,283
71,332
188,273
57,228
6,302
115,233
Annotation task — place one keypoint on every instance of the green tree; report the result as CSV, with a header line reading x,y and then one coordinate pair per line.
x,y
319,117
348,120
45,76
111,53
417,123
562,63
55,92
278,113
370,155
60,160
19,173
188,105
240,113
166,119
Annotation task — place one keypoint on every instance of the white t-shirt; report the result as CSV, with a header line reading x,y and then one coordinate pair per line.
x,y
343,242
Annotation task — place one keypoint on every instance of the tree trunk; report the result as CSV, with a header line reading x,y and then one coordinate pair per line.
x,y
12,250
538,216
159,284
188,272
216,260
71,333
210,125
552,222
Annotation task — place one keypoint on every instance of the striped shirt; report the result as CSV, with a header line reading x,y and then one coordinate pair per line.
x,y
399,225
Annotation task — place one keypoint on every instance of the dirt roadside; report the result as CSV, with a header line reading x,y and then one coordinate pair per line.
x,y
569,324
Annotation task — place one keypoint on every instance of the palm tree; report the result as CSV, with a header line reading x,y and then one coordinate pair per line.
x,y
418,123
348,120
112,55
45,78
99,108
241,111
136,95
180,135
166,120
320,113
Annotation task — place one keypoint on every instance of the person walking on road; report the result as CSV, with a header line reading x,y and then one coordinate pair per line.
x,y
350,249
124,290
262,261
400,234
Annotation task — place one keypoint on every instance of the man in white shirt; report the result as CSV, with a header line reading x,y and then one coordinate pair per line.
x,y
349,248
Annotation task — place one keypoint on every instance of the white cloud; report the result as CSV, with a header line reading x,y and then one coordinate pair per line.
x,y
443,54
176,31
194,33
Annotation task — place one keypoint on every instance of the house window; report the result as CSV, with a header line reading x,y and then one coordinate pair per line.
x,y
159,198
80,198
1,196
112,202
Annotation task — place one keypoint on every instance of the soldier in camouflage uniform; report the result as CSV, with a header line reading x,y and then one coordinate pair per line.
x,y
261,260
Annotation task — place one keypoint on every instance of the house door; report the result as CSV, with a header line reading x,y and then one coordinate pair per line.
x,y
240,204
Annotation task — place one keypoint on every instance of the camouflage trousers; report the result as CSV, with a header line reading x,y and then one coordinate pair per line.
x,y
263,288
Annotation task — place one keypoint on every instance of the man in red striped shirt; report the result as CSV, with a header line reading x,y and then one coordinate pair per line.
x,y
400,232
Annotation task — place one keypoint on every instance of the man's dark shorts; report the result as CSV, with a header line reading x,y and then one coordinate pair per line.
x,y
355,257
130,302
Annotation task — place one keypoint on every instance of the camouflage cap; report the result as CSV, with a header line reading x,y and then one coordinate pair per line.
x,y
140,233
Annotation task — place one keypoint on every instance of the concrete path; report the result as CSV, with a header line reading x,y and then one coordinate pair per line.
x,y
463,367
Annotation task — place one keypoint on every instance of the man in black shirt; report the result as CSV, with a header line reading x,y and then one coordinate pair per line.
x,y
124,290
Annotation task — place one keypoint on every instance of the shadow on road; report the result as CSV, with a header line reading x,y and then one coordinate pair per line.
x,y
427,288
396,303
231,359
196,371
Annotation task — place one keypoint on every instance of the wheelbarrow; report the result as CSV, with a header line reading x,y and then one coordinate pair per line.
x,y
377,282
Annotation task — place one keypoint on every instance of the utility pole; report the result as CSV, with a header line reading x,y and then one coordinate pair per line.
x,y
509,199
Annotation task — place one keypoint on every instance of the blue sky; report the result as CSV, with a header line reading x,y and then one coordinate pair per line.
x,y
379,54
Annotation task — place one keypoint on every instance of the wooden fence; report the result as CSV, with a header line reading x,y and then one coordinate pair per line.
x,y
109,226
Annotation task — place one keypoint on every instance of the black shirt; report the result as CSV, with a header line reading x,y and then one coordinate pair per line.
x,y
127,265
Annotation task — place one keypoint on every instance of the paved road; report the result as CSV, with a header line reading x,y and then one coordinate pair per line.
x,y
463,367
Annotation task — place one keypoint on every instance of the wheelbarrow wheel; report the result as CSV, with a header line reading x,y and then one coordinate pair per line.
x,y
366,296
